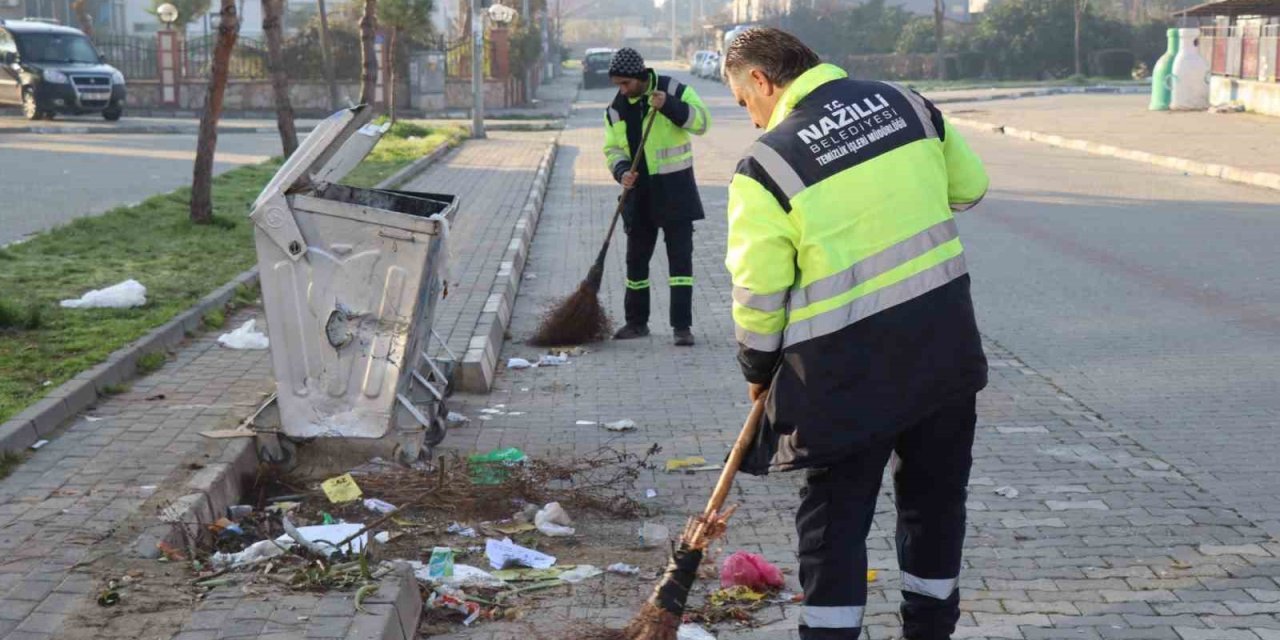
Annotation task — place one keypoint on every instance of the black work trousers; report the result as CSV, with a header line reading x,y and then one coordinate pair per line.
x,y
930,465
642,237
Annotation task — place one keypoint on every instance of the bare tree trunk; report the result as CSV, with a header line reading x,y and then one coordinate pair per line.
x,y
202,175
368,58
326,59
1079,7
83,17
940,12
391,72
271,27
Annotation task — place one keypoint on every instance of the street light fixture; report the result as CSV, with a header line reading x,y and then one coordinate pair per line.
x,y
500,15
168,14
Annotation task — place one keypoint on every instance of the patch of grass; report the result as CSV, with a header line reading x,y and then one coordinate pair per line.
x,y
17,316
116,389
246,295
153,242
214,319
9,460
150,362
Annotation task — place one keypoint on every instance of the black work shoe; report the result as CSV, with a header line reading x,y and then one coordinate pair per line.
x,y
632,331
684,338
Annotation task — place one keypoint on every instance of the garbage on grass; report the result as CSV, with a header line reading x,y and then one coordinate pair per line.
x,y
124,295
463,576
440,600
260,550
246,336
515,528
552,520
488,468
505,554
621,425
580,573
750,570
440,565
623,569
341,489
1008,492
324,538
459,529
378,506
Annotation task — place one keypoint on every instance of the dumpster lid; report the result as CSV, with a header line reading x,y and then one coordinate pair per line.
x,y
336,145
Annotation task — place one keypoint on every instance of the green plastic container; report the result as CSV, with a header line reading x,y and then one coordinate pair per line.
x,y
1162,75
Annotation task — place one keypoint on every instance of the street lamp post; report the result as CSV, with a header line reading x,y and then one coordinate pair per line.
x,y
501,15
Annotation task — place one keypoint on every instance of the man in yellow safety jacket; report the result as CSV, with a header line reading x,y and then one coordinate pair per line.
x,y
852,309
665,194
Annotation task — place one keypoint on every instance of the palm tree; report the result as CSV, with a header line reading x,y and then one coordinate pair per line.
x,y
202,174
412,17
271,10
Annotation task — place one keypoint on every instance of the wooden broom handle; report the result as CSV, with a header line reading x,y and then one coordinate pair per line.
x,y
731,465
622,200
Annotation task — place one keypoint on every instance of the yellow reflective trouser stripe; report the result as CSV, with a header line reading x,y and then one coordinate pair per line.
x,y
680,281
636,285
814,324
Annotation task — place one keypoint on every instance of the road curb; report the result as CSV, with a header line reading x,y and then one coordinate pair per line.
x,y
48,414
138,130
1040,93
480,362
1262,179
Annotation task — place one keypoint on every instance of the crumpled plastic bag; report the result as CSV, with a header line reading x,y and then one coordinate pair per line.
x,y
246,337
552,520
124,295
750,570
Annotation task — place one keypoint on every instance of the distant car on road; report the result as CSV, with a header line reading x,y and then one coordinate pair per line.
x,y
49,69
710,68
696,62
595,67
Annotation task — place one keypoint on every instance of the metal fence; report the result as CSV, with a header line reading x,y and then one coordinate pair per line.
x,y
134,56
1248,52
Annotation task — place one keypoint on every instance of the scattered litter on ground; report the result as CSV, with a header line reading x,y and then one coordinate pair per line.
x,y
1229,107
680,464
739,593
39,443
238,511
491,468
872,574
651,493
621,425
530,276
260,550
440,600
624,569
459,529
456,419
491,411
505,554
485,418
529,575
693,632
1008,492
552,360
378,506
515,528
93,419
580,573
653,534
325,538
440,564
340,489
518,363
124,295
245,337
750,570
586,423
383,537
552,520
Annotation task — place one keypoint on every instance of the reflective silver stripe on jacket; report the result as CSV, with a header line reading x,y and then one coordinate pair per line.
x,y
921,109
672,152
816,617
875,302
678,165
872,266
758,341
768,302
692,120
778,168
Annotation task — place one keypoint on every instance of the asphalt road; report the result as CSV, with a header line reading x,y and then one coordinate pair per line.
x,y
47,180
1150,296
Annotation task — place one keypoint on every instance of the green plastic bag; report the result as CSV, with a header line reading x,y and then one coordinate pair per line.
x,y
491,468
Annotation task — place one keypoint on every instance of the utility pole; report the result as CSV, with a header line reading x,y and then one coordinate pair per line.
x,y
325,60
477,70
673,30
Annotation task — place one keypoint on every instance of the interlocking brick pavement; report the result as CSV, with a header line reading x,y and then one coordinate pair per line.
x,y
1104,540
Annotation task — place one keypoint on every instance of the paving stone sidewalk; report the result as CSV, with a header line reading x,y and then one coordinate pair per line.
x,y
1103,541
60,506
1240,140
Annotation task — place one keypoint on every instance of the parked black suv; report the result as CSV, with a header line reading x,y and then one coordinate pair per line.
x,y
50,69
595,68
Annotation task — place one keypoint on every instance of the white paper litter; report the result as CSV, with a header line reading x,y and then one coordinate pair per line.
x,y
1008,492
246,337
518,363
463,576
124,295
621,425
651,493
580,573
552,520
492,411
379,506
693,632
260,550
39,443
323,537
382,536
454,418
93,419
485,418
553,361
586,423
459,530
652,534
624,569
503,554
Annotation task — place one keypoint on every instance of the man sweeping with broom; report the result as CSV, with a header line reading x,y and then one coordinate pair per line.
x,y
853,315
664,194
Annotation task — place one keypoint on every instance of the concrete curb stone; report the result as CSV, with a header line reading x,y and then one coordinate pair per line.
x,y
1040,93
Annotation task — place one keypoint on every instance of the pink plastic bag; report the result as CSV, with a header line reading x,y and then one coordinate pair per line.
x,y
751,571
